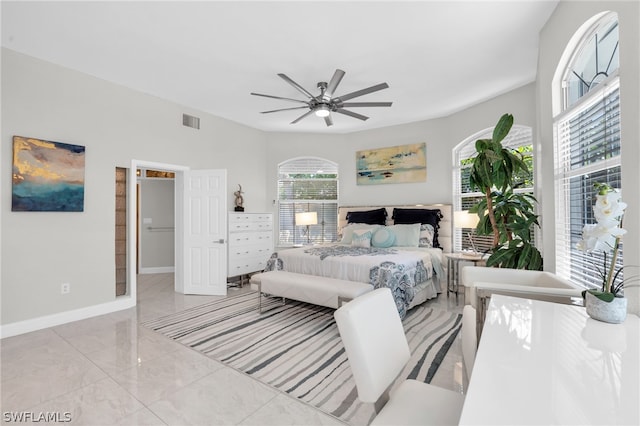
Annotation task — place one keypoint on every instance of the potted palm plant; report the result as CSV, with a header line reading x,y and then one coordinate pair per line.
x,y
504,213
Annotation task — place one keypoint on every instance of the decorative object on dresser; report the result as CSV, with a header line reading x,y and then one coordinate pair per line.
x,y
239,201
250,243
307,219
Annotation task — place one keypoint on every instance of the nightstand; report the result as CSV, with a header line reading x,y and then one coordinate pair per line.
x,y
453,268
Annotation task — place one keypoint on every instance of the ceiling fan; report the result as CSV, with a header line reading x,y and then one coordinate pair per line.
x,y
326,103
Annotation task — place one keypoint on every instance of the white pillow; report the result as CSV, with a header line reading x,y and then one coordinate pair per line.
x,y
406,235
361,238
347,231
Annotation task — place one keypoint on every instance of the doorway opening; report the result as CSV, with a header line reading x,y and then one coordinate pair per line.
x,y
133,220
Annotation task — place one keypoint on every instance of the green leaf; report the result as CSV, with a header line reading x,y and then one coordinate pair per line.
x,y
525,256
604,296
482,144
503,127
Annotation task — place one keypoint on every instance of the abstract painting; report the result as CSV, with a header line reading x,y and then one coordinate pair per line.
x,y
47,176
396,164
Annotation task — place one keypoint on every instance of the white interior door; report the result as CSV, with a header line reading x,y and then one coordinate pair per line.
x,y
205,232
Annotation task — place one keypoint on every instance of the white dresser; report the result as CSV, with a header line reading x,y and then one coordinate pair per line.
x,y
250,242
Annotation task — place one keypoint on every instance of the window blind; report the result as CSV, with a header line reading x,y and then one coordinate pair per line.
x,y
519,138
307,185
587,151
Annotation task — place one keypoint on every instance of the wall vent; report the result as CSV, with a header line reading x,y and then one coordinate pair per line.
x,y
190,121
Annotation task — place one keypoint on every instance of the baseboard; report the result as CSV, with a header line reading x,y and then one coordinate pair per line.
x,y
158,270
34,324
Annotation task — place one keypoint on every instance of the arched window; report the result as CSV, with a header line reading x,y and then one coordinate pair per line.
x,y
307,184
520,139
586,141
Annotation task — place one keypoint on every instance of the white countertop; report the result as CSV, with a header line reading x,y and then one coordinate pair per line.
x,y
542,363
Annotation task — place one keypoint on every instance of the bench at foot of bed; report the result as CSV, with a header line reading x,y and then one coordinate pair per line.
x,y
329,292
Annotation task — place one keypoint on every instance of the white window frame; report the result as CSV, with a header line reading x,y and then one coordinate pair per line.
x,y
327,227
571,263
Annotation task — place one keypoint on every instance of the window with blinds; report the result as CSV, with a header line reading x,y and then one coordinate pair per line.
x,y
307,185
587,146
519,139
587,151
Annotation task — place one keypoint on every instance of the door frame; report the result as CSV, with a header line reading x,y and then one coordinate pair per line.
x,y
132,262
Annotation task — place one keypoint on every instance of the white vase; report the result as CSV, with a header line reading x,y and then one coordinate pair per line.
x,y
613,312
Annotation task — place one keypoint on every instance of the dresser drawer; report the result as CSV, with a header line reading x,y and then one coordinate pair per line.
x,y
251,250
246,265
249,238
253,217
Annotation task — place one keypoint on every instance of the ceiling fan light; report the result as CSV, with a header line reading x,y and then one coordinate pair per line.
x,y
322,111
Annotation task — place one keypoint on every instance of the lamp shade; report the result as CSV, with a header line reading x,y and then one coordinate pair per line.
x,y
464,219
306,218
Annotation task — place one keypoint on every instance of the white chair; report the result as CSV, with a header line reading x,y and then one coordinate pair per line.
x,y
377,349
480,283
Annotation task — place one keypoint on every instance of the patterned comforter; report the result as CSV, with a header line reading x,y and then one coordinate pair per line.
x,y
402,270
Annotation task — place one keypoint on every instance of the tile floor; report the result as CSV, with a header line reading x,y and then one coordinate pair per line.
x,y
109,370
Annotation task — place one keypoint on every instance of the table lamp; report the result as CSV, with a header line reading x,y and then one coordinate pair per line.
x,y
464,219
306,219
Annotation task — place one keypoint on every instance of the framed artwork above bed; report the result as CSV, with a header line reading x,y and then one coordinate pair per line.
x,y
396,164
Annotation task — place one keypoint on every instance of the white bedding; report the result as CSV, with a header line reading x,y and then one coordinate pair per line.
x,y
406,270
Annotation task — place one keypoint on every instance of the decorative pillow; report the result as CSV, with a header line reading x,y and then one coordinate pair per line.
x,y
383,238
361,238
372,217
426,235
406,235
347,231
430,216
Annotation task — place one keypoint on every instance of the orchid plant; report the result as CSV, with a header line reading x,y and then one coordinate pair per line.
x,y
604,236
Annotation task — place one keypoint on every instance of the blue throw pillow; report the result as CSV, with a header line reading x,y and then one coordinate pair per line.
x,y
383,238
407,235
361,238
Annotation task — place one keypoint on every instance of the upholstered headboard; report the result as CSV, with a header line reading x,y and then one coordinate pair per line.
x,y
445,232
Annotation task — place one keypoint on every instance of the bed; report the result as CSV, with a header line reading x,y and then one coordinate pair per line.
x,y
412,264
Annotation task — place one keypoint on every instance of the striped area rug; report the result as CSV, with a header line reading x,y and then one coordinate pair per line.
x,y
296,347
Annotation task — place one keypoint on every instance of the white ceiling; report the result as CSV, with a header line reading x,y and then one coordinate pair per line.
x,y
437,57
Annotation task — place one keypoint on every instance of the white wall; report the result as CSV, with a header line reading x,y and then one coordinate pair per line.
x,y
157,237
440,135
565,21
42,250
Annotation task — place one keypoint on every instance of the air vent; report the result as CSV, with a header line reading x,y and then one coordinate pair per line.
x,y
190,121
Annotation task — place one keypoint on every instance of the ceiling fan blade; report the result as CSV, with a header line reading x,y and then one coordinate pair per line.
x,y
296,85
283,109
328,120
302,116
333,84
365,104
352,114
278,97
363,92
